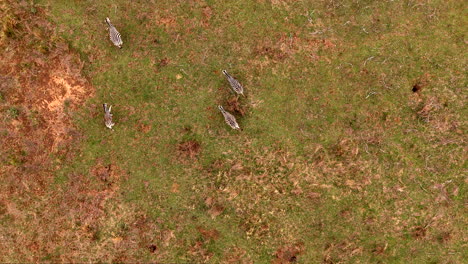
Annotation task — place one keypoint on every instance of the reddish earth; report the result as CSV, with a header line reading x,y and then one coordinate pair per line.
x,y
41,84
189,148
288,254
234,106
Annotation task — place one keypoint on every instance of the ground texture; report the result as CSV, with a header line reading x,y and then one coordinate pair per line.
x,y
353,147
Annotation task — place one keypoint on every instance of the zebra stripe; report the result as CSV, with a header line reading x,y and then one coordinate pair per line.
x,y
235,84
108,116
114,35
230,119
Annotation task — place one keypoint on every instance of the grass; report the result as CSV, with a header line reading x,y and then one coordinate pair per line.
x,y
338,161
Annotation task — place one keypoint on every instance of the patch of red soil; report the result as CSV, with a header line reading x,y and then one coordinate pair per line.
x,y
42,78
234,106
419,232
208,234
103,172
40,86
189,148
288,254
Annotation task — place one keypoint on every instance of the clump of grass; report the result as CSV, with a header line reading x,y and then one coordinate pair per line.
x,y
13,112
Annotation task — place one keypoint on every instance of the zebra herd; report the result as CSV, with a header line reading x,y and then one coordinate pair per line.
x,y
116,39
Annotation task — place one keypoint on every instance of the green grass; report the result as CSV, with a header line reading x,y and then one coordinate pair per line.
x,y
335,153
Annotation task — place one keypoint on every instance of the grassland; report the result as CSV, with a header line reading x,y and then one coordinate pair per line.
x,y
353,146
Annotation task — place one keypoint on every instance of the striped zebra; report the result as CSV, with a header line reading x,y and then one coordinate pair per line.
x,y
108,116
230,119
114,34
235,85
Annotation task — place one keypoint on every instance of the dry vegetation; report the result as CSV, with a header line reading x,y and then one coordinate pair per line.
x,y
366,166
41,85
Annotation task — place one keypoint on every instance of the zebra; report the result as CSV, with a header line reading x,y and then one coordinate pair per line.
x,y
108,116
230,119
235,85
114,34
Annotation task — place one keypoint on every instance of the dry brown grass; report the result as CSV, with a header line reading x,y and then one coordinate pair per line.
x,y
190,148
372,183
41,77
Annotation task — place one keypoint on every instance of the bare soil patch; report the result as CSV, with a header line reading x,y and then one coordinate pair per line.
x,y
208,234
41,86
416,87
103,172
190,149
233,105
419,232
288,254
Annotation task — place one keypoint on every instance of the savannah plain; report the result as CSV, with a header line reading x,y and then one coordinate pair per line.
x,y
353,148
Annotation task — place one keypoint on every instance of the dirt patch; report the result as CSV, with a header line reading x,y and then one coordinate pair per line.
x,y
41,86
50,83
416,87
427,108
288,254
379,249
341,251
444,237
215,166
236,255
163,62
145,128
45,82
207,14
208,234
345,214
102,172
152,248
190,149
270,52
215,208
199,252
285,46
234,106
166,20
279,48
419,232
420,83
